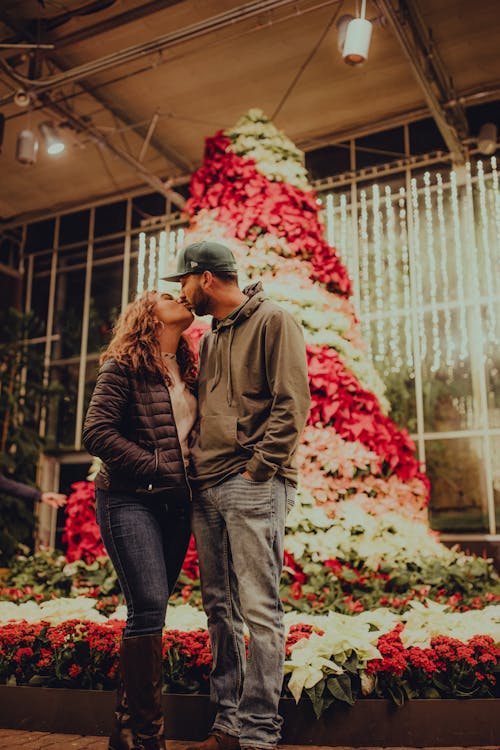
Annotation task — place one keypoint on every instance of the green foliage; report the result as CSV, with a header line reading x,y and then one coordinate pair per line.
x,y
21,395
47,574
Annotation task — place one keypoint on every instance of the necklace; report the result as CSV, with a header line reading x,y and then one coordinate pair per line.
x,y
169,355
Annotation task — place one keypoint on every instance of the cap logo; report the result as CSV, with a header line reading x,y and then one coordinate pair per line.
x,y
193,263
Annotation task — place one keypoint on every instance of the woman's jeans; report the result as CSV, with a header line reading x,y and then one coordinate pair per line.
x,y
146,541
239,527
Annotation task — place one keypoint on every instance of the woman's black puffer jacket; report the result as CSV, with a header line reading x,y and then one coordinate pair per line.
x,y
130,426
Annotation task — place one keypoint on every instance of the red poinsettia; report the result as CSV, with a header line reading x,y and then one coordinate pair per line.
x,y
338,399
81,533
251,204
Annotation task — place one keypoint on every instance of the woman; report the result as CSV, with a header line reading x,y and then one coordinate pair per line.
x,y
25,492
140,415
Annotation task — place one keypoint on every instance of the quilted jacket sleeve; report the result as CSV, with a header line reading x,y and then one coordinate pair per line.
x,y
102,434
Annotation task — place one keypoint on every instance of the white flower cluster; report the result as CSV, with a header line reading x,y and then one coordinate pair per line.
x,y
357,536
424,622
346,634
53,611
278,158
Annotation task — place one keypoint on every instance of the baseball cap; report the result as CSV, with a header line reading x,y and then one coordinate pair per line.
x,y
203,256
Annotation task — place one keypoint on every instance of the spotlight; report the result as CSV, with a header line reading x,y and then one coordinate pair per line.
x,y
358,32
487,139
22,98
53,141
26,147
342,25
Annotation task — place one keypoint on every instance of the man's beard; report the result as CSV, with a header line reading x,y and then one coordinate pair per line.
x,y
200,302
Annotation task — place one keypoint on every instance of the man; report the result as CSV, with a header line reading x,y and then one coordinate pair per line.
x,y
253,404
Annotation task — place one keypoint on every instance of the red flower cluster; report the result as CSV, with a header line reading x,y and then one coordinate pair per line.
x,y
479,653
338,399
81,533
249,202
84,654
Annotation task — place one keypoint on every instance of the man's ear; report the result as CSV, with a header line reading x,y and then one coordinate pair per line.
x,y
207,279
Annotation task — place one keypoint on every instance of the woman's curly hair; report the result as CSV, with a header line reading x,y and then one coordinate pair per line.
x,y
135,343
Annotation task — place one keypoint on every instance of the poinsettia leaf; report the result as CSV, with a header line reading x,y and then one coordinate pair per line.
x,y
315,695
341,689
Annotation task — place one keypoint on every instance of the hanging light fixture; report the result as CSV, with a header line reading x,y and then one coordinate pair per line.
x,y
53,141
358,34
26,147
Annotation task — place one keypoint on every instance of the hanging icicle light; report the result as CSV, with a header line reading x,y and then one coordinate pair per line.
x,y
405,263
471,233
365,273
418,268
330,220
457,242
394,341
496,201
141,263
162,261
431,261
443,253
152,263
343,225
379,274
489,271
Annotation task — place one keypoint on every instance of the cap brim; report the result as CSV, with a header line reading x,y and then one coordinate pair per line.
x,y
175,277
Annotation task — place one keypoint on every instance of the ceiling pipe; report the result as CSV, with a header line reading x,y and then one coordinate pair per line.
x,y
80,125
187,33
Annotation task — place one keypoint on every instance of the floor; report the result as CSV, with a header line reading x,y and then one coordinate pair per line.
x,y
10,738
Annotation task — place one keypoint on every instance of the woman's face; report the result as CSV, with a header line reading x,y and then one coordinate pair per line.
x,y
169,311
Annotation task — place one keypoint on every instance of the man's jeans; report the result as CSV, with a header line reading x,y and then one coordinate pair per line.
x,y
146,541
239,527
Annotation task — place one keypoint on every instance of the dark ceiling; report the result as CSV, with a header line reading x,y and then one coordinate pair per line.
x,y
202,63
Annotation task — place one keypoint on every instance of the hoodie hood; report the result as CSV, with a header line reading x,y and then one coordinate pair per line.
x,y
256,296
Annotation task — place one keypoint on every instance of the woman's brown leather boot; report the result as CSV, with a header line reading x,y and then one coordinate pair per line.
x,y
139,718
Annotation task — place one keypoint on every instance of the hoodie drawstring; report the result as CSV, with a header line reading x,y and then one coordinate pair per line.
x,y
218,364
229,374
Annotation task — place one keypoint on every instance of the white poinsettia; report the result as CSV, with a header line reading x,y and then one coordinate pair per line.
x,y
185,617
382,619
311,658
255,137
354,535
120,613
54,611
428,619
308,664
10,612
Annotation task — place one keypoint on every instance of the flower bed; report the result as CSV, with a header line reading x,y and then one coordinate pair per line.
x,y
427,652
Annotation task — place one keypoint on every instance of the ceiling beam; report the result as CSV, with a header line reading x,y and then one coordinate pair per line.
x,y
106,24
187,33
173,157
436,84
81,125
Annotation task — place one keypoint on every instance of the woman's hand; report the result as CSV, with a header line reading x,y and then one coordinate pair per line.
x,y
54,499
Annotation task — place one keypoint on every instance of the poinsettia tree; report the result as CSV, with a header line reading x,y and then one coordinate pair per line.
x,y
253,194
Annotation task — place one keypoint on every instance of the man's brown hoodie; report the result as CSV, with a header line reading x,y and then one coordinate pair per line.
x,y
253,394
